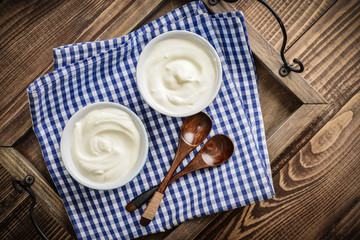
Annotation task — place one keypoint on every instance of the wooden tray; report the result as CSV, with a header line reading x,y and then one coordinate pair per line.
x,y
289,104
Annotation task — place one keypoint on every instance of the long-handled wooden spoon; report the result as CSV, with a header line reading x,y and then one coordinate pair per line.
x,y
216,151
194,131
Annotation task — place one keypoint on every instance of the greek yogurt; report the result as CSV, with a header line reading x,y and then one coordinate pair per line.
x,y
105,144
180,73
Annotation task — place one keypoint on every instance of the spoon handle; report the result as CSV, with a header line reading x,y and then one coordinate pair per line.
x,y
141,199
145,196
182,151
152,207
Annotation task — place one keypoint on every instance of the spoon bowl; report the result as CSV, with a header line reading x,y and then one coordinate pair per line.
x,y
195,129
216,151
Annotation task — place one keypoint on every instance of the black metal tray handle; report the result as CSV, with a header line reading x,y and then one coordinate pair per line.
x,y
26,184
287,67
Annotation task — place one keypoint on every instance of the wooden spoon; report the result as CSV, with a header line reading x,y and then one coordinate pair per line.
x,y
194,131
215,152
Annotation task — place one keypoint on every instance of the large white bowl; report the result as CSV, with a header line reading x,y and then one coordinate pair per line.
x,y
140,73
65,148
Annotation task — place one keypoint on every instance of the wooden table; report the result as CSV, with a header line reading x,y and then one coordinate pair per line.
x,y
312,120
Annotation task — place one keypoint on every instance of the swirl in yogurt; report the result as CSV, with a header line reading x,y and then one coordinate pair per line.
x,y
180,74
105,144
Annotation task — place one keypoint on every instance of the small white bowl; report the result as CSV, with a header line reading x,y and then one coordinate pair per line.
x,y
65,148
140,73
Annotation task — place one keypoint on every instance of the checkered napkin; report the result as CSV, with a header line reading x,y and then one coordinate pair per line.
x,y
105,71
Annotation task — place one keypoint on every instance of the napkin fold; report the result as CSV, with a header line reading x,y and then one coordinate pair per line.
x,y
105,71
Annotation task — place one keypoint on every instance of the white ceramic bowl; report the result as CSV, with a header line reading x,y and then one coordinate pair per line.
x,y
140,73
65,148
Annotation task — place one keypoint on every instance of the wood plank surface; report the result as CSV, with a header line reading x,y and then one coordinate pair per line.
x,y
292,127
15,119
283,103
130,19
16,206
297,16
29,31
316,176
270,59
29,147
332,49
19,167
313,191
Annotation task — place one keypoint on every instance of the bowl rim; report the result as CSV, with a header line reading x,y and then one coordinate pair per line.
x,y
168,35
65,150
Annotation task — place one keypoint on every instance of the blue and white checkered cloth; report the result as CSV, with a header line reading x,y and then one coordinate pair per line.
x,y
105,71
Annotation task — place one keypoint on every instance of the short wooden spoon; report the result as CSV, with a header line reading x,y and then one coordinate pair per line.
x,y
207,157
194,131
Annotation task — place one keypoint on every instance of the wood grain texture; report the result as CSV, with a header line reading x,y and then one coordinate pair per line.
x,y
104,20
15,221
192,227
271,60
290,129
297,16
19,167
326,39
130,18
165,8
314,191
348,226
29,147
15,120
332,49
29,31
283,102
10,199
